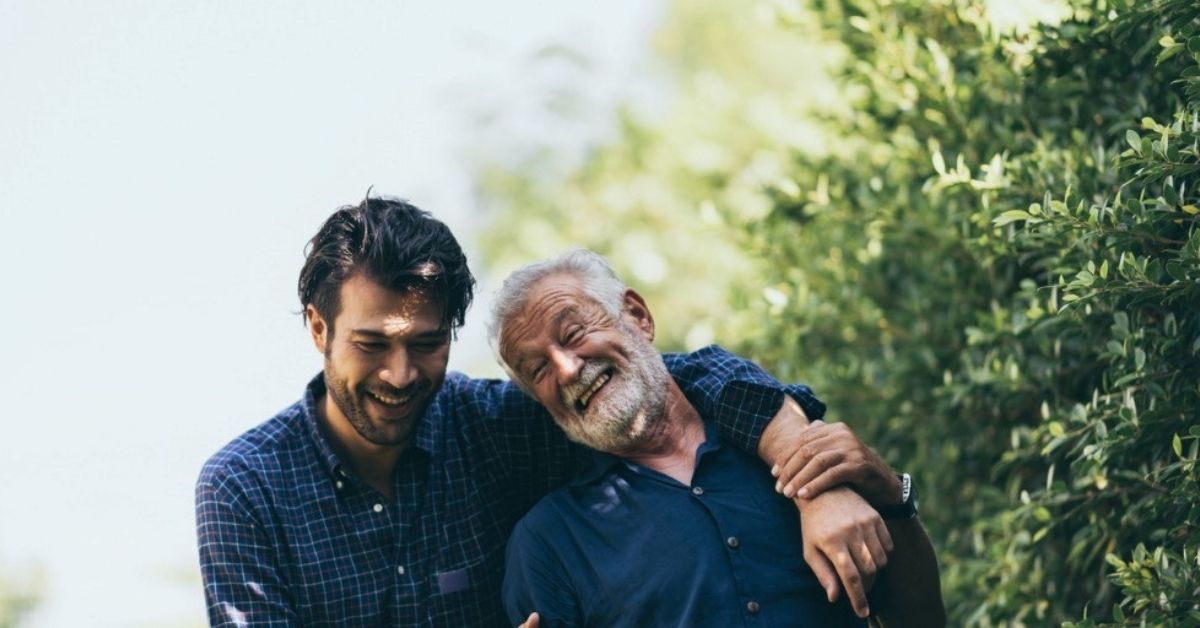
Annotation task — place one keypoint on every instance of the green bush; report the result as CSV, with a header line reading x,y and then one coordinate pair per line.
x,y
979,243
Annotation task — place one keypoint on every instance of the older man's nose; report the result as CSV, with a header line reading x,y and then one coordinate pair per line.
x,y
566,364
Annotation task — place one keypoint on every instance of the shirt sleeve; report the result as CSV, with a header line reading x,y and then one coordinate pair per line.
x,y
534,580
737,393
242,584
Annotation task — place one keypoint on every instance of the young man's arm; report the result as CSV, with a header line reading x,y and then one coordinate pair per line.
x,y
740,397
242,586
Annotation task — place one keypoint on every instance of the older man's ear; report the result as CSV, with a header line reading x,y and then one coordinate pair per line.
x,y
637,313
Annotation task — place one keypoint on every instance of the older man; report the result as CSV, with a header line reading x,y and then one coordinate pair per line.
x,y
669,526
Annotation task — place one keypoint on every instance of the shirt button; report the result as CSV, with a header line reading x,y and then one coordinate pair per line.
x,y
340,484
400,569
753,607
697,491
733,542
378,507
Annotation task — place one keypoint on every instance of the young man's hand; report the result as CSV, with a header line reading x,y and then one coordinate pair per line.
x,y
826,455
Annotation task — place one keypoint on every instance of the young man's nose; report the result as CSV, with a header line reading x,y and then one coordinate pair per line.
x,y
399,371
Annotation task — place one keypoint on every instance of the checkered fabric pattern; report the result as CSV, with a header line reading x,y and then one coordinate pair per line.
x,y
289,537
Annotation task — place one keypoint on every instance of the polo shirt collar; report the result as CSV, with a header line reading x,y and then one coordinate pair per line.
x,y
600,462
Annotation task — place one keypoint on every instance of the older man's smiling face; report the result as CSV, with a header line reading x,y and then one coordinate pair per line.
x,y
599,377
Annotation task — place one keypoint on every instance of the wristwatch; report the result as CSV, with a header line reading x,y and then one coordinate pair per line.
x,y
907,508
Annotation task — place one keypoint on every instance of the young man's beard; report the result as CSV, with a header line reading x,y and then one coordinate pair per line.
x,y
353,405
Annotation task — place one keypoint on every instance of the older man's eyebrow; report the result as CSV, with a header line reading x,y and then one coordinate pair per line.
x,y
563,314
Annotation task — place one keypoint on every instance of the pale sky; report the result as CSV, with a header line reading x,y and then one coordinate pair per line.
x,y
161,165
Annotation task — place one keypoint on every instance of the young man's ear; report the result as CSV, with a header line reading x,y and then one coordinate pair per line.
x,y
317,327
634,309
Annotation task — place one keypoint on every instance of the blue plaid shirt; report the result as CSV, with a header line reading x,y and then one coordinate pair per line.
x,y
288,536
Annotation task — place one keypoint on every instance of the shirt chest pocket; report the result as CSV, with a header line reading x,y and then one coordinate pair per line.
x,y
467,594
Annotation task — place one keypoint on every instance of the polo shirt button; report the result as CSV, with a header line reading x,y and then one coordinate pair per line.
x,y
340,484
697,491
753,607
378,507
400,569
733,542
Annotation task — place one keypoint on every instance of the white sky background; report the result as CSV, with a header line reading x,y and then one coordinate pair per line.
x,y
161,165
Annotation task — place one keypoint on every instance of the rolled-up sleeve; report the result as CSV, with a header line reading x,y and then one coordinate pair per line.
x,y
737,393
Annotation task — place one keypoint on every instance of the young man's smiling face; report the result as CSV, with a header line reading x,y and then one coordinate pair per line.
x,y
385,358
599,377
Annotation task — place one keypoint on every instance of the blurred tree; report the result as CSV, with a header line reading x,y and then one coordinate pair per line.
x,y
975,236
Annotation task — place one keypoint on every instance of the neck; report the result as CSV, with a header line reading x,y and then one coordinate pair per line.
x,y
671,450
373,463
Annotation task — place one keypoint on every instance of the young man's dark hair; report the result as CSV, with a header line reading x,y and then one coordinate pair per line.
x,y
394,244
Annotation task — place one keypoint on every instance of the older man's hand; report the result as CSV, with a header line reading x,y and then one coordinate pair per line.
x,y
845,540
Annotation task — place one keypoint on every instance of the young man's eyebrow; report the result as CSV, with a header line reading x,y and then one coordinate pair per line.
x,y
375,333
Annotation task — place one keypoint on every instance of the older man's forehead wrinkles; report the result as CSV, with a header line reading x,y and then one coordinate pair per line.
x,y
562,315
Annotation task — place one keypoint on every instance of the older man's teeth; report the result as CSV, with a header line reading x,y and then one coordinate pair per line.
x,y
391,401
587,394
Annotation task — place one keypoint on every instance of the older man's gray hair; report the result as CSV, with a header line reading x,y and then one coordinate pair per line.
x,y
600,282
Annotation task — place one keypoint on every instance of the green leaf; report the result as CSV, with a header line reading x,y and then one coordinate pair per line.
x,y
1135,140
1177,445
1041,513
1193,45
1139,357
1170,195
1011,215
1168,52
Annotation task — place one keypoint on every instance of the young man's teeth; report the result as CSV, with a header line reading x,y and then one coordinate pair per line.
x,y
587,394
391,401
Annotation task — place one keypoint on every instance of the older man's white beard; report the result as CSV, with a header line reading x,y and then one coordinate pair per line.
x,y
633,406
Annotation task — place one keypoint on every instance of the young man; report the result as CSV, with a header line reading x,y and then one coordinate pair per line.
x,y
386,494
669,526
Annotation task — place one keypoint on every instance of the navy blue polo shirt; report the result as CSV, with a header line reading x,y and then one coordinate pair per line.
x,y
624,545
